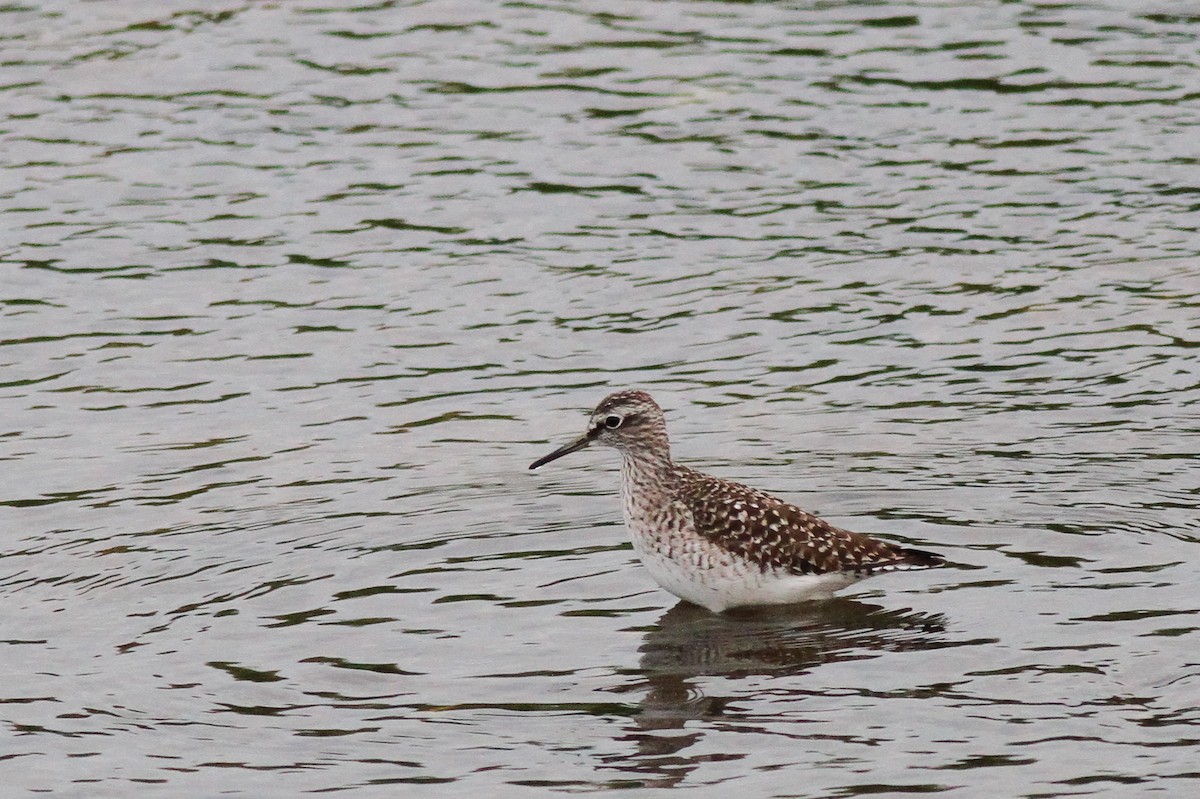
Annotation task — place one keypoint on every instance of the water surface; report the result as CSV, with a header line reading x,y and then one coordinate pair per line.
x,y
293,293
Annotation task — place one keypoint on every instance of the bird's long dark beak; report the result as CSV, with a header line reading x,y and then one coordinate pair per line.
x,y
576,445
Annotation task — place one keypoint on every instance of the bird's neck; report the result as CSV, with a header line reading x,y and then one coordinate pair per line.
x,y
647,480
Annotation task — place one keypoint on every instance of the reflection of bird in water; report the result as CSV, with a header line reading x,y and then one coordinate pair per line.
x,y
689,642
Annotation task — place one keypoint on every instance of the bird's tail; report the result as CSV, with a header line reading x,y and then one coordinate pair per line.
x,y
905,559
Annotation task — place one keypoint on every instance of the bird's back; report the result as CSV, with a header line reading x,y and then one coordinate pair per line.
x,y
779,537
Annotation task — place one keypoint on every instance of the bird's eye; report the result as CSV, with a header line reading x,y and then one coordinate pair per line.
x,y
613,422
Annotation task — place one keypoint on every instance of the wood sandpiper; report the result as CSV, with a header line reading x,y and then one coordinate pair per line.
x,y
717,543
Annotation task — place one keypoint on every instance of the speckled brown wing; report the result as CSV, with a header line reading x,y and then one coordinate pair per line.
x,y
777,536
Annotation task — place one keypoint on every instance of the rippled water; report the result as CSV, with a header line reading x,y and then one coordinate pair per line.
x,y
293,293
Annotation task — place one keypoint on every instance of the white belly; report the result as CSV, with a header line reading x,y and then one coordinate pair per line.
x,y
713,580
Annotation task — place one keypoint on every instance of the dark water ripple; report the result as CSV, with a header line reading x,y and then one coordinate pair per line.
x,y
293,293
